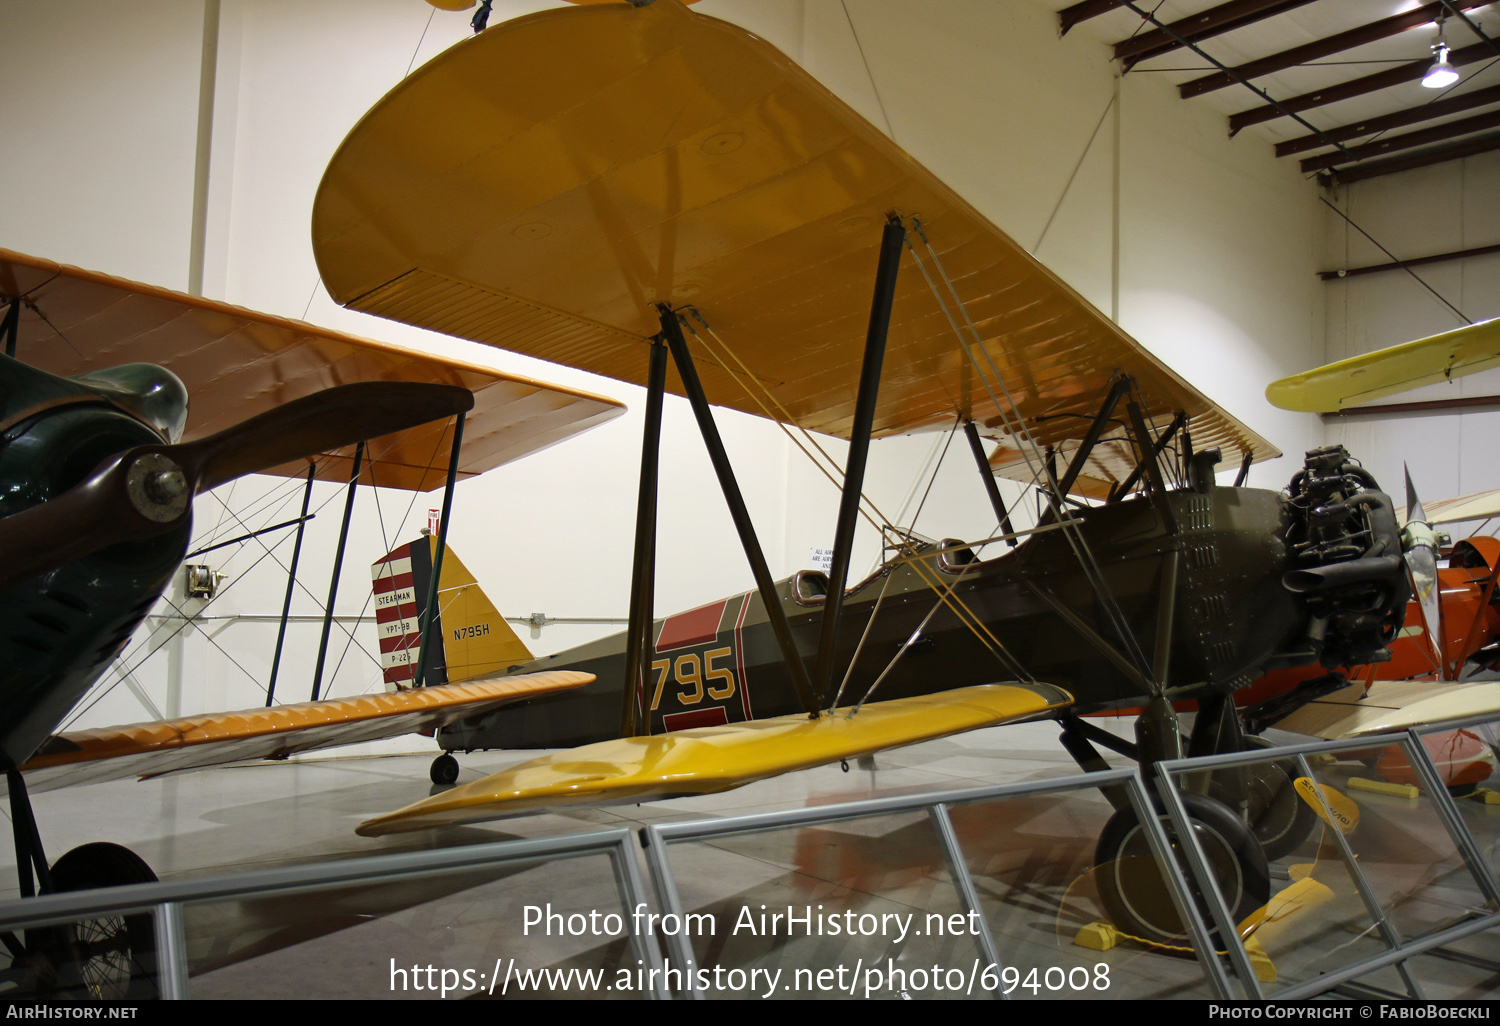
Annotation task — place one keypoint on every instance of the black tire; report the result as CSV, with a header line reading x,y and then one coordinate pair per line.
x,y
1136,896
1279,817
113,958
444,770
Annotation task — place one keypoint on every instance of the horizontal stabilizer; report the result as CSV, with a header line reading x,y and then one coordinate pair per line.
x,y
195,742
711,759
1391,705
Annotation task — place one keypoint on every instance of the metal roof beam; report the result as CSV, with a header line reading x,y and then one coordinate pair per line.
x,y
1358,87
1394,143
1401,265
1422,158
1400,119
1070,16
1233,75
1326,47
1203,25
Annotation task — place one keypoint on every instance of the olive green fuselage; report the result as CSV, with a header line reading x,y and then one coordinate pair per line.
x,y
1230,617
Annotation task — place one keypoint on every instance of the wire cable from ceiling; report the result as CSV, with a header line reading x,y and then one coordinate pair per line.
x,y
1461,315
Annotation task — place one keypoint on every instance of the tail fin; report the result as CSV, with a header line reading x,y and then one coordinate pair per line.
x,y
470,638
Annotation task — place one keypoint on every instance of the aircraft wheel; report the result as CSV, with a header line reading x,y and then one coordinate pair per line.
x,y
1136,896
111,958
444,770
1278,815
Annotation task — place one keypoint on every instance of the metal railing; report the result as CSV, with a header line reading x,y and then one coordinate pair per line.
x,y
1208,919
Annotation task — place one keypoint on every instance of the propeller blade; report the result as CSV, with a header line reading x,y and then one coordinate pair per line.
x,y
330,419
1414,510
1419,549
148,490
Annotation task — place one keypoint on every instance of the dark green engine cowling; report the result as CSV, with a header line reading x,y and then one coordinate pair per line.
x,y
59,630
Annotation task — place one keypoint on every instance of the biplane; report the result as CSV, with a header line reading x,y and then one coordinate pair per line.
x,y
101,461
662,198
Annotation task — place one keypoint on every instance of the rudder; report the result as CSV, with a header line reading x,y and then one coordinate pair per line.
x,y
471,638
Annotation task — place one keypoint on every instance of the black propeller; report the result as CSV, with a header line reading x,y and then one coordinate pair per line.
x,y
148,490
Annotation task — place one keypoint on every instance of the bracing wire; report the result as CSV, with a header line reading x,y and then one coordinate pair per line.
x,y
1029,448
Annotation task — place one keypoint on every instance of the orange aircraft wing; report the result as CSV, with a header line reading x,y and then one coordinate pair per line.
x,y
196,742
542,185
237,363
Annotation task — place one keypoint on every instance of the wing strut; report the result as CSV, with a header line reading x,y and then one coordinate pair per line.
x,y
643,572
12,325
291,584
1101,421
891,241
1122,489
987,475
338,564
430,611
736,502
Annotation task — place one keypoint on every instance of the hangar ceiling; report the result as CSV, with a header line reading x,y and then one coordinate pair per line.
x,y
1335,84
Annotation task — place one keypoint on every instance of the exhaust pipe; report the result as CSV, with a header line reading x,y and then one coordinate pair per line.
x,y
1354,571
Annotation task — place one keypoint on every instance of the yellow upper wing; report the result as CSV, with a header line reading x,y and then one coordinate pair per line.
x,y
1361,379
194,742
711,759
542,185
237,363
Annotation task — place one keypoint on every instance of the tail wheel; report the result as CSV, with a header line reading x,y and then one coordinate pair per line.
x,y
113,957
1136,896
444,770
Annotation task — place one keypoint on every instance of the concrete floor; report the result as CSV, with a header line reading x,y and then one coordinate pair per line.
x,y
1030,859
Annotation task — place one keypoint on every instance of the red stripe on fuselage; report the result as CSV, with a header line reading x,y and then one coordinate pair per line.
x,y
739,654
695,627
713,716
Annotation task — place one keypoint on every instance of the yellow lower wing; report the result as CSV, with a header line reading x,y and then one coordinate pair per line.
x,y
1361,379
711,759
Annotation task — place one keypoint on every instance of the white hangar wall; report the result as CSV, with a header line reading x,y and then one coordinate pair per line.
x,y
1205,247
1424,212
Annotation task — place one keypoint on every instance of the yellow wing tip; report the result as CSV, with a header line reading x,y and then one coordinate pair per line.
x,y
1290,393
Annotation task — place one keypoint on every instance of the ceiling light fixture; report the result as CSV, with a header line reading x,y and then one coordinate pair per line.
x,y
1442,74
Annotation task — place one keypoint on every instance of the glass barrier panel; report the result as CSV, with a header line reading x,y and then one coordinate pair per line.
x,y
1466,760
1304,911
1032,860
852,908
104,958
535,928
